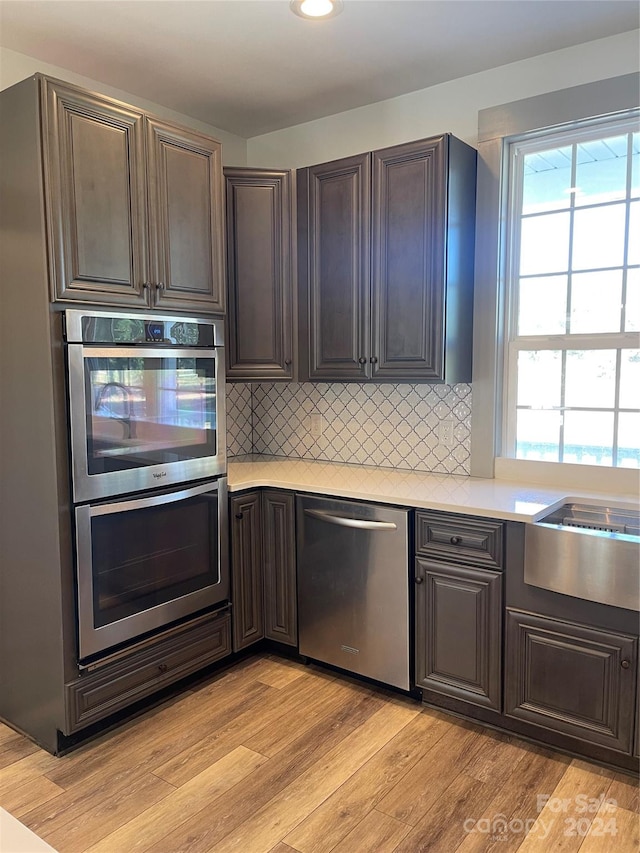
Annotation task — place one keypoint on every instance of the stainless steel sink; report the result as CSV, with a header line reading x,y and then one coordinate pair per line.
x,y
587,551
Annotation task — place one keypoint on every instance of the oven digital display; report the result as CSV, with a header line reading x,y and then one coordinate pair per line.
x,y
153,331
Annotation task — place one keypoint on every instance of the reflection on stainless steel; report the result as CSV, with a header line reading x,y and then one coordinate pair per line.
x,y
127,421
353,587
588,552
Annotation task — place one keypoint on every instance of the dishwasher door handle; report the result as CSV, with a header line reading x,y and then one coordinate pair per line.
x,y
360,523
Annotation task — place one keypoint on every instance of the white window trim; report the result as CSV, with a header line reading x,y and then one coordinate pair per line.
x,y
609,97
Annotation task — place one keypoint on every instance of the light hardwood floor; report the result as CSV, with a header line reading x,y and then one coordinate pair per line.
x,y
272,756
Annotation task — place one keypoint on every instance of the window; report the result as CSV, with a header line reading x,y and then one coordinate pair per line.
x,y
573,281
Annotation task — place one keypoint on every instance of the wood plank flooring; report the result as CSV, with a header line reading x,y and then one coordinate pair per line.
x,y
273,756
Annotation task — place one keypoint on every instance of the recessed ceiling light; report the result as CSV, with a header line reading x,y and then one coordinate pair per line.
x,y
316,9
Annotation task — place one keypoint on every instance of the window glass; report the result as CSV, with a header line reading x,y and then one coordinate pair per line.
x,y
542,305
573,359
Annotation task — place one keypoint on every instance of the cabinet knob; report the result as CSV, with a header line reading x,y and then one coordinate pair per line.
x,y
287,362
373,359
238,515
624,664
455,540
162,667
362,360
160,285
419,580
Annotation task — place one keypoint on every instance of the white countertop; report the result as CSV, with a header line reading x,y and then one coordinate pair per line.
x,y
468,495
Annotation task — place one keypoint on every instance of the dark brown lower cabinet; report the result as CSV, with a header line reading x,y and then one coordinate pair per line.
x,y
458,631
570,678
278,537
143,671
263,568
246,569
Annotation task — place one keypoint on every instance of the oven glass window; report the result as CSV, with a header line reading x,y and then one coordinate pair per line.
x,y
148,411
148,556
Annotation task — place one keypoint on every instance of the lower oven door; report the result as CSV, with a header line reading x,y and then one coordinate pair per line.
x,y
146,562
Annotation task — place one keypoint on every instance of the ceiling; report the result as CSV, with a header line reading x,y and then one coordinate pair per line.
x,y
251,66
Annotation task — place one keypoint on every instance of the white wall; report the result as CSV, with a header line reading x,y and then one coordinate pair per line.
x,y
449,107
17,66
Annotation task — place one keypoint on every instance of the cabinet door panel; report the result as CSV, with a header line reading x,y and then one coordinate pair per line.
x,y
458,629
281,619
94,168
247,574
338,240
571,678
259,269
408,266
185,195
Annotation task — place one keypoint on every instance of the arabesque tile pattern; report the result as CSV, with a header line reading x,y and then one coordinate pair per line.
x,y
393,426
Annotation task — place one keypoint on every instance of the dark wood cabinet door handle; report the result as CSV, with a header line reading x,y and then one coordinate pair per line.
x,y
287,362
160,285
238,515
455,540
362,360
624,664
163,667
373,359
419,580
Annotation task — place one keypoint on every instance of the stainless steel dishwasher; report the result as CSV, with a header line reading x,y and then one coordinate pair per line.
x,y
353,587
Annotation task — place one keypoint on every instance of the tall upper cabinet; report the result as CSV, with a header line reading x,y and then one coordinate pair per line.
x,y
134,205
385,248
260,265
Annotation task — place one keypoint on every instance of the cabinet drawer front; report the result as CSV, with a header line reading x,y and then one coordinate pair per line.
x,y
460,539
103,692
571,678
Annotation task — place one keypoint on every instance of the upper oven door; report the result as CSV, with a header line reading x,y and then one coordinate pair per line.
x,y
144,416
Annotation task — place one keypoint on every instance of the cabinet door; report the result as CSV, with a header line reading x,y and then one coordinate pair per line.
x,y
246,570
571,678
186,212
95,191
408,260
334,235
458,631
259,274
281,618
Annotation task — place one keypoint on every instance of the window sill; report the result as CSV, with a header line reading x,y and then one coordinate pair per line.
x,y
618,481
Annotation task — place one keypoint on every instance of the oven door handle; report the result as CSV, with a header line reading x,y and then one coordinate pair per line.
x,y
154,500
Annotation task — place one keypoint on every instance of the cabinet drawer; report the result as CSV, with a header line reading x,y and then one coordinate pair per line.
x,y
103,692
459,538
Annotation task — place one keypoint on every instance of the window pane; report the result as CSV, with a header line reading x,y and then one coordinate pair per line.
x,y
542,307
539,378
590,378
544,244
598,237
630,379
547,178
629,440
588,438
633,256
635,166
601,170
596,299
538,435
632,307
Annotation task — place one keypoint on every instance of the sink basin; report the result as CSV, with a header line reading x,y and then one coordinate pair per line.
x,y
591,552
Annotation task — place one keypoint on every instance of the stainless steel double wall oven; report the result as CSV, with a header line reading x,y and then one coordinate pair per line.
x,y
148,459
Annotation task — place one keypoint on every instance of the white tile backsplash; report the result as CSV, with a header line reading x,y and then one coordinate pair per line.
x,y
393,426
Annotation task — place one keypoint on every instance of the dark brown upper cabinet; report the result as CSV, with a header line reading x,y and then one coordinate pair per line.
x,y
385,248
134,205
260,263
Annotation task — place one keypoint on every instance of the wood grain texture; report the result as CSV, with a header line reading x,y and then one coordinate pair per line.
x,y
276,757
